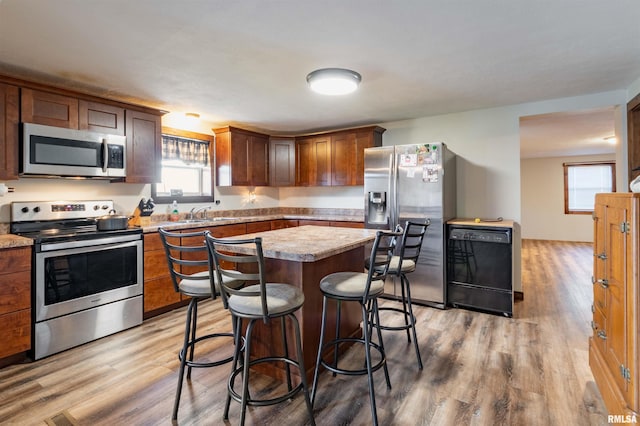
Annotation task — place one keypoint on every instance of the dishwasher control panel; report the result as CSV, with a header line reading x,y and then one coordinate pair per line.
x,y
488,236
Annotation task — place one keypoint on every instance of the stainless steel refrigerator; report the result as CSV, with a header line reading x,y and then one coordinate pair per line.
x,y
413,182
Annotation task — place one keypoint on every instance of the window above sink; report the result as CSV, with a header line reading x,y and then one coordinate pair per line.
x,y
186,167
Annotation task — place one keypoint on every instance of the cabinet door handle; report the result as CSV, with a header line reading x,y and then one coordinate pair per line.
x,y
601,334
603,282
602,256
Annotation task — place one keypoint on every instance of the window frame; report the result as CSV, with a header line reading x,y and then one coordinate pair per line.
x,y
161,199
566,167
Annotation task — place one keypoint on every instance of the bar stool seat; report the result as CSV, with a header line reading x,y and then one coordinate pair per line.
x,y
349,285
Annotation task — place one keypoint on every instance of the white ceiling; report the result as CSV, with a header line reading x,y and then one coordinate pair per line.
x,y
245,62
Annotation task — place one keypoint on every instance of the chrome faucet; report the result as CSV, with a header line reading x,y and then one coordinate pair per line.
x,y
195,210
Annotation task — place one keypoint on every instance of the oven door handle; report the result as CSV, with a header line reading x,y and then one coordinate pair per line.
x,y
46,247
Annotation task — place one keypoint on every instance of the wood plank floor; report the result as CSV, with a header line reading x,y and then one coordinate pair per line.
x,y
479,369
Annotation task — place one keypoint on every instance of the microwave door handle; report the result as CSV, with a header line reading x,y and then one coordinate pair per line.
x,y
105,155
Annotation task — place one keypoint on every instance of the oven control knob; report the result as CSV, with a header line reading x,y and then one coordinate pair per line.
x,y
25,210
105,207
96,207
36,209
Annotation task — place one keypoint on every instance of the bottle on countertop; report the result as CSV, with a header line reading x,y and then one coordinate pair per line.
x,y
174,213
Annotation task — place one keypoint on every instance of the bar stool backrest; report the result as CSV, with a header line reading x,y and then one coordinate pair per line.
x,y
412,239
381,254
250,264
187,257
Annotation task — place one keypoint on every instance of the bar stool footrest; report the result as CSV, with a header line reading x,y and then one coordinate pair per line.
x,y
396,327
197,364
358,372
264,402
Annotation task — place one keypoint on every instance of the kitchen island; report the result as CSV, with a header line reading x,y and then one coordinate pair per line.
x,y
302,256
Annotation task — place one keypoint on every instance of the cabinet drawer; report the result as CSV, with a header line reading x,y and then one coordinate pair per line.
x,y
15,259
16,332
258,227
155,264
15,291
152,242
159,293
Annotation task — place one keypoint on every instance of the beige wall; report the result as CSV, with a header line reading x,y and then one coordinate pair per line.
x,y
542,192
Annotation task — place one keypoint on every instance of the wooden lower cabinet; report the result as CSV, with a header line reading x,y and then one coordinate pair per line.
x,y
15,301
613,347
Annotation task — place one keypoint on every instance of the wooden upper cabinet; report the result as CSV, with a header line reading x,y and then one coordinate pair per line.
x,y
101,118
366,137
335,158
343,156
282,161
144,147
58,110
50,109
313,161
9,139
242,157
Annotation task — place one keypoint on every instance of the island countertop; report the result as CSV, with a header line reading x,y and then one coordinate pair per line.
x,y
308,243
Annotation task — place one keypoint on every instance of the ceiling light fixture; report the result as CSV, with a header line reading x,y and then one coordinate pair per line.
x,y
611,139
193,115
333,81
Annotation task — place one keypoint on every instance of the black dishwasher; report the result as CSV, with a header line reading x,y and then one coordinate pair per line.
x,y
479,268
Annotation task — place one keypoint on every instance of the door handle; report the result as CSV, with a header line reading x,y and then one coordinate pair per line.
x,y
601,334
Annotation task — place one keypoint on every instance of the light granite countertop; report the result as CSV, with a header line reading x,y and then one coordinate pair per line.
x,y
11,241
307,243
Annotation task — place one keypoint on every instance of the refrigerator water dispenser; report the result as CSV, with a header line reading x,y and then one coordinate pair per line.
x,y
377,207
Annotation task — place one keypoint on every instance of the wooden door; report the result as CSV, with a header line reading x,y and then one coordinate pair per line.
x,y
144,147
343,156
617,247
240,163
101,118
304,162
282,162
322,160
49,109
9,139
259,160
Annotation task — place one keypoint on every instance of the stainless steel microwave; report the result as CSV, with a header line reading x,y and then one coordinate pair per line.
x,y
55,151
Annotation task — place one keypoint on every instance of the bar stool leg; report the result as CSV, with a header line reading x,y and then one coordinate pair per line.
x,y
379,330
367,355
237,332
404,306
245,371
335,347
303,371
194,325
183,356
286,352
413,322
323,322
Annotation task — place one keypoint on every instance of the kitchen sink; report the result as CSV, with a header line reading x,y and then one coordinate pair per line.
x,y
193,221
224,218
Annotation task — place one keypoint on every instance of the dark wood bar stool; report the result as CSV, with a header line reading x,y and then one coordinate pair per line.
x,y
257,300
402,264
192,275
364,288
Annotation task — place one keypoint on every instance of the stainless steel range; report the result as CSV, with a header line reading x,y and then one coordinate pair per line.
x,y
86,283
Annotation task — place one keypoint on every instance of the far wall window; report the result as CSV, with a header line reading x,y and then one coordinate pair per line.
x,y
582,181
